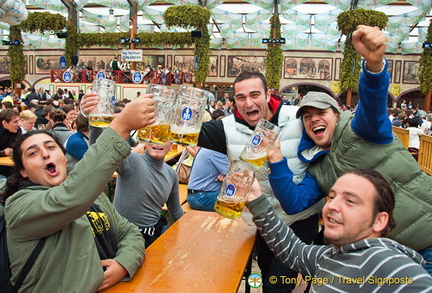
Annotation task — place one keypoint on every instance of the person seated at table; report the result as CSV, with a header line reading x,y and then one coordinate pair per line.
x,y
358,217
27,121
43,118
208,171
9,133
144,184
59,128
71,113
89,246
78,143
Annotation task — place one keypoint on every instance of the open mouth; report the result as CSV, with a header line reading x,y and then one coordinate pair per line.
x,y
253,114
51,169
318,130
157,148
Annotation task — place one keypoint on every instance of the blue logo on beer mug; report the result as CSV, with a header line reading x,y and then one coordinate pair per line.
x,y
230,190
256,140
186,114
113,100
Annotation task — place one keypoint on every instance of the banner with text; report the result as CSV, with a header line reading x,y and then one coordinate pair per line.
x,y
132,55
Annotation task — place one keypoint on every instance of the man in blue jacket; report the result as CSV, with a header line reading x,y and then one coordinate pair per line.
x,y
334,142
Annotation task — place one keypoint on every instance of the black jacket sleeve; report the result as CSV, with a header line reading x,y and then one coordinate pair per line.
x,y
212,136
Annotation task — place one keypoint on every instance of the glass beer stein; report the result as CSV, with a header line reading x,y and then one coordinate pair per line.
x,y
264,135
103,114
235,187
164,97
187,114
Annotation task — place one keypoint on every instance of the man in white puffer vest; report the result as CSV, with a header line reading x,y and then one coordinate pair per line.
x,y
229,135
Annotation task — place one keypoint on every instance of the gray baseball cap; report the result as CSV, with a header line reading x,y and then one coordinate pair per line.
x,y
317,100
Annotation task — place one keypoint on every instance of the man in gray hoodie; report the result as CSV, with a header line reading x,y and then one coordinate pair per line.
x,y
357,217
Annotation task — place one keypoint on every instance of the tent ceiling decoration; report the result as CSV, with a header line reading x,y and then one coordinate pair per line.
x,y
306,24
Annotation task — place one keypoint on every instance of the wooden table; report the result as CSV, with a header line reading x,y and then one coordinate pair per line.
x,y
202,252
6,161
174,153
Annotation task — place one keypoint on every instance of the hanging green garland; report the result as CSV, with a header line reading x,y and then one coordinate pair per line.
x,y
348,22
35,22
16,56
185,16
43,21
189,17
274,56
426,64
72,44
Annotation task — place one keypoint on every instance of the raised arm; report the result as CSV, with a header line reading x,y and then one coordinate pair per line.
x,y
371,121
293,198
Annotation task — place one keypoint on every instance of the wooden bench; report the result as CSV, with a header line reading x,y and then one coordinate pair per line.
x,y
425,153
186,207
403,135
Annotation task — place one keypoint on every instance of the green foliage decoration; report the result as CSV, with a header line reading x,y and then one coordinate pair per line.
x,y
425,75
72,44
351,63
185,16
16,56
274,56
189,16
43,21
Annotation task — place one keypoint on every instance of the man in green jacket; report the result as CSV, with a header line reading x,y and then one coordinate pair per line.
x,y
89,246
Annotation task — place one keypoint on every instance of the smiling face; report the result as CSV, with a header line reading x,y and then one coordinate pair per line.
x,y
251,100
320,125
157,151
71,115
43,160
349,212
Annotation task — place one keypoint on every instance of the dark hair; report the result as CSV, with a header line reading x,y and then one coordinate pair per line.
x,y
81,123
69,107
414,122
7,115
384,197
251,74
47,109
15,179
57,115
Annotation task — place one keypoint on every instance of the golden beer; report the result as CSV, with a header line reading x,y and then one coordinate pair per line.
x,y
259,162
228,209
154,133
100,121
190,139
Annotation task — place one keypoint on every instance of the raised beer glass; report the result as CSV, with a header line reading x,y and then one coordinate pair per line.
x,y
164,97
187,114
264,135
103,114
235,187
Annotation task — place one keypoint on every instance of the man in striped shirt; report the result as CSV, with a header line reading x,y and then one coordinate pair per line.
x,y
357,217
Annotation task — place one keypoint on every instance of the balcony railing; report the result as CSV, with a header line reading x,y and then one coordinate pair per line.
x,y
153,76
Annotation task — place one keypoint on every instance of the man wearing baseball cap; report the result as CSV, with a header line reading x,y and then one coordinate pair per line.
x,y
335,141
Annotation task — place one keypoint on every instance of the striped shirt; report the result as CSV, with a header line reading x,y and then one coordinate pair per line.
x,y
368,265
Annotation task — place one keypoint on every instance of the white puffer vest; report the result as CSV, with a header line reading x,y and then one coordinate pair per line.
x,y
238,135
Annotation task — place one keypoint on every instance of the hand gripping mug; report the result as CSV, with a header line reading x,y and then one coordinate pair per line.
x,y
264,135
235,187
187,114
164,97
103,114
